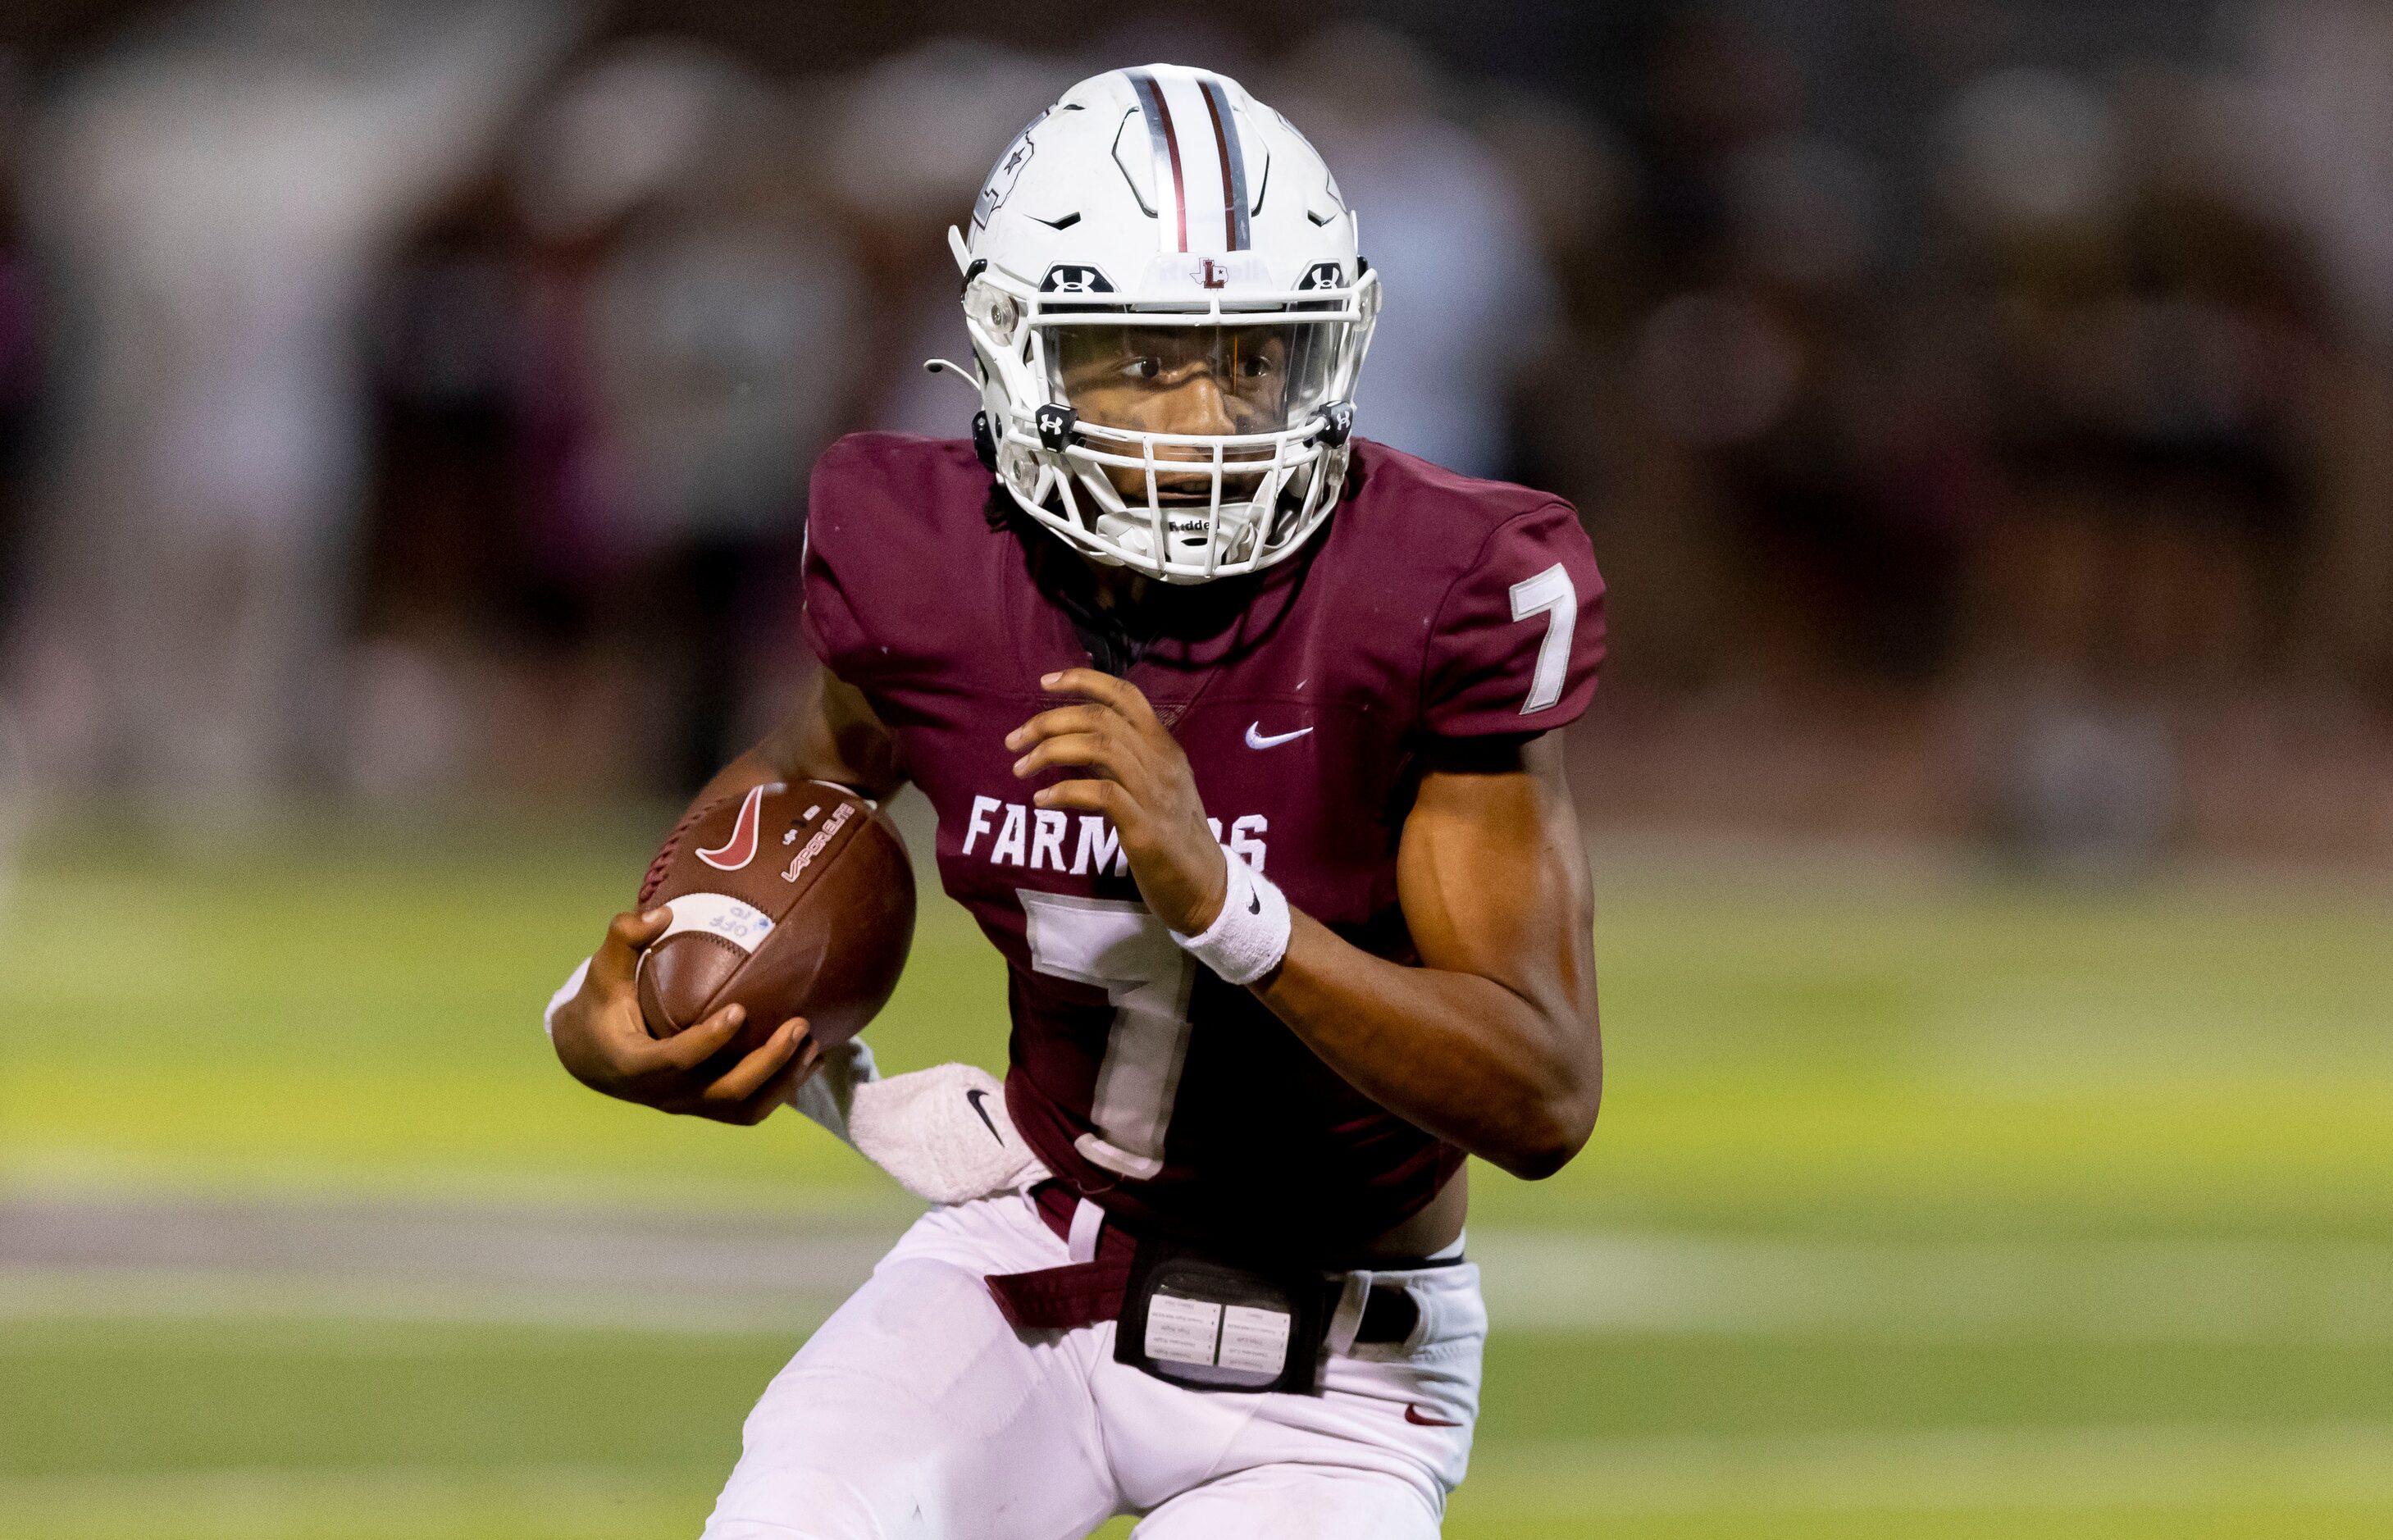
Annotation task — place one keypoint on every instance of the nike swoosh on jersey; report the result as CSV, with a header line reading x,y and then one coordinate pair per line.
x,y
976,1096
740,849
1413,1415
1256,738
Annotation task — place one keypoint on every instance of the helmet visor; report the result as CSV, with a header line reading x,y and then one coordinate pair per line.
x,y
1199,379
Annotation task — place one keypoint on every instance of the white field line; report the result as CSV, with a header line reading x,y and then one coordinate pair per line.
x,y
2223,1291
564,1268
63,1295
2140,1466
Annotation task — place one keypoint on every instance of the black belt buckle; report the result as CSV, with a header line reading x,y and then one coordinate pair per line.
x,y
1193,1320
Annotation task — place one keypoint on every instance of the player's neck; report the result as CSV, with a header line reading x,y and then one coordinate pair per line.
x,y
1118,587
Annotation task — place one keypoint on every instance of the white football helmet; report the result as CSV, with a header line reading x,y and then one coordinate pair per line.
x,y
1160,250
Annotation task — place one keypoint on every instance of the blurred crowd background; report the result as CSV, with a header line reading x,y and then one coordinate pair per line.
x,y
1984,410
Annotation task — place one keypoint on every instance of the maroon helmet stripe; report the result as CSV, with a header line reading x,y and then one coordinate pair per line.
x,y
1158,118
1233,174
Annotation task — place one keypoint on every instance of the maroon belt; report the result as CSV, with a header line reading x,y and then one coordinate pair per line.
x,y
1079,1293
1083,1293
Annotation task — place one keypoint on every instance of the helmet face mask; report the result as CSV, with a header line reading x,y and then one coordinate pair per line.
x,y
1168,380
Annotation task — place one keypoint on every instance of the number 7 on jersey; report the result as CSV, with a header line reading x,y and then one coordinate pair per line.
x,y
1548,593
1123,949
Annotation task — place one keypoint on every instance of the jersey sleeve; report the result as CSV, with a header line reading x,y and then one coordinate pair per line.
x,y
1516,644
879,557
839,576
829,620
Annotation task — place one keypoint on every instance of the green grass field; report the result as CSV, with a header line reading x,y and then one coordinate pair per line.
x,y
1923,1205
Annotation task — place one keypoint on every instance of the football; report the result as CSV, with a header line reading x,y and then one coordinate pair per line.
x,y
793,900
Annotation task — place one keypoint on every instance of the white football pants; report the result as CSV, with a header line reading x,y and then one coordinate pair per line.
x,y
917,1414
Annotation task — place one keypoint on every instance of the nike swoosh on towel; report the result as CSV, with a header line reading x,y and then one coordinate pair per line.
x,y
1256,738
976,1096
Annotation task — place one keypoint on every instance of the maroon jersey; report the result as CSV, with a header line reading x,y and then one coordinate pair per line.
x,y
1431,607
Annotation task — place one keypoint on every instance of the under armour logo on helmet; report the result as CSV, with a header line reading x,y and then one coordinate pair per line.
x,y
1323,274
1073,278
1055,425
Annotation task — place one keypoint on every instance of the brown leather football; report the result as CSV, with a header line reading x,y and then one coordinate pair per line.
x,y
793,900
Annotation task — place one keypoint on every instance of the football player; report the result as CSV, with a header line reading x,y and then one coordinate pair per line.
x,y
1241,735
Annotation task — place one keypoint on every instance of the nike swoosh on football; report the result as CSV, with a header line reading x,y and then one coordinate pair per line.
x,y
740,849
1256,737
1413,1415
976,1096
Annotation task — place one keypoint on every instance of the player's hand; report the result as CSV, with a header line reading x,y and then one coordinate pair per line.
x,y
605,1044
1137,777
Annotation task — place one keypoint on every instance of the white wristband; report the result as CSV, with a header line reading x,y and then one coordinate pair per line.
x,y
1250,936
557,1001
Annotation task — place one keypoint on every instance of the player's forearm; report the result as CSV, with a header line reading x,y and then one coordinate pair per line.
x,y
1506,1078
750,769
829,734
